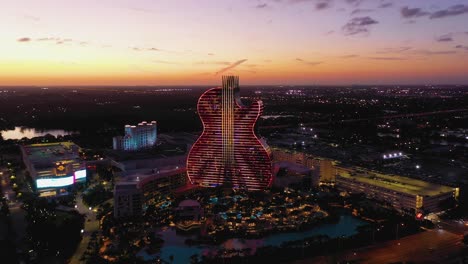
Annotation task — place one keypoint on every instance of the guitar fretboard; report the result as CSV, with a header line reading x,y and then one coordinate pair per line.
x,y
227,106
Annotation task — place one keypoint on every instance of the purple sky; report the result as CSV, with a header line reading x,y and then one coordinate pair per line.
x,y
265,42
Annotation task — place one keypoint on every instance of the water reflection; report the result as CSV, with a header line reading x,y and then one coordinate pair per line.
x,y
21,132
174,244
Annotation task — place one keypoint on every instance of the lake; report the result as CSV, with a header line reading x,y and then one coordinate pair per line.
x,y
174,244
21,132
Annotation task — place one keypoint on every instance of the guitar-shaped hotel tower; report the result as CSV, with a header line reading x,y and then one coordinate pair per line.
x,y
228,151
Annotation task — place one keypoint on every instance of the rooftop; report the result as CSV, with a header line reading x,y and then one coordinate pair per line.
x,y
44,155
293,167
143,178
394,182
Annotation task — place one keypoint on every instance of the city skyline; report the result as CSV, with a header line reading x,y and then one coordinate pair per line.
x,y
277,42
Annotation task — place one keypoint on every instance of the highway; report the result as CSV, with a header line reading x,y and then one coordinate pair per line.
x,y
433,246
371,118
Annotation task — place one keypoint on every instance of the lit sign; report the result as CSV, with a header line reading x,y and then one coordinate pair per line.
x,y
81,174
60,169
419,216
55,182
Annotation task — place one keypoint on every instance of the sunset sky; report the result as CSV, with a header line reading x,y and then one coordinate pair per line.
x,y
194,42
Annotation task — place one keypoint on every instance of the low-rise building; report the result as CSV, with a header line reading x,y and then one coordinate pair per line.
x,y
189,210
288,174
402,193
325,168
54,167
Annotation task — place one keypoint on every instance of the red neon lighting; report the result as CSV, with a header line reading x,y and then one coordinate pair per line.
x,y
235,155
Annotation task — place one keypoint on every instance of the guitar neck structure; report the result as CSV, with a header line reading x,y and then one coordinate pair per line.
x,y
228,151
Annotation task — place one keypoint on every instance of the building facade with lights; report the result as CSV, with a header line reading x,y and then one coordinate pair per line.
x,y
136,189
141,136
228,151
324,167
404,194
54,167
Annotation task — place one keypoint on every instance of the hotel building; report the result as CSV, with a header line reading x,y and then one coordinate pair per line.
x,y
141,136
228,151
325,168
136,189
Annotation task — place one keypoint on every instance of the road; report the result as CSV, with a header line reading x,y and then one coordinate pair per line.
x,y
454,226
17,214
434,246
91,225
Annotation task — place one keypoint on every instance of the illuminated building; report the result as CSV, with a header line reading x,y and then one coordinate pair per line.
x,y
401,193
228,151
141,136
54,167
296,176
136,189
326,168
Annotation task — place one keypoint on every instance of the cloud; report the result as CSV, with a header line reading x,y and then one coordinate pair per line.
x,y
261,6
445,38
394,50
411,51
387,58
354,2
462,47
212,63
322,5
300,1
61,41
33,18
165,62
251,65
310,63
407,12
230,67
350,56
24,39
361,11
358,25
431,52
451,11
386,5
144,49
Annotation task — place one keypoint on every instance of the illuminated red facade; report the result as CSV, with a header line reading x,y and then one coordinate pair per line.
x,y
228,151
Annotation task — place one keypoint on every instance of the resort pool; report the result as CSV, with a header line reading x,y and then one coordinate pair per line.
x,y
174,244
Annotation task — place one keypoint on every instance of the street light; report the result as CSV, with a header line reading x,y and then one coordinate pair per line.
x,y
90,208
